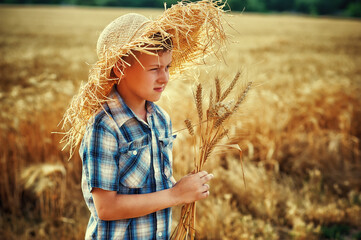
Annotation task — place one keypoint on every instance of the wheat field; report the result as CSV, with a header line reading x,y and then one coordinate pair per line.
x,y
299,128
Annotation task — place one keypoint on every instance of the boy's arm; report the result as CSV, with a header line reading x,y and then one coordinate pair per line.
x,y
113,206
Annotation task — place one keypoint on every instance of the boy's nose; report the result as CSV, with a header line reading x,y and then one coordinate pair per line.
x,y
163,76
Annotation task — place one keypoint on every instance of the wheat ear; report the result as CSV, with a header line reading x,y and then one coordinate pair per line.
x,y
231,86
218,89
199,102
189,126
213,143
242,97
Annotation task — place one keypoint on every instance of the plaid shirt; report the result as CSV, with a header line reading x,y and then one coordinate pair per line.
x,y
125,154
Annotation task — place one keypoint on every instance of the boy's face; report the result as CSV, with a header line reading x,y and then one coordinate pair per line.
x,y
139,84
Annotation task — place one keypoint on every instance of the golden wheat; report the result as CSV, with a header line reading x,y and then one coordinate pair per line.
x,y
189,126
208,137
300,133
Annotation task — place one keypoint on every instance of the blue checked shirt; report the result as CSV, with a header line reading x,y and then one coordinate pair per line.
x,y
122,153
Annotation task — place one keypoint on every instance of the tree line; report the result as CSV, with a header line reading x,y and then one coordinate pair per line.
x,y
348,8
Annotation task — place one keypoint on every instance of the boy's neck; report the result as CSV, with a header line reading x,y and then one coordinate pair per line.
x,y
141,112
139,109
137,106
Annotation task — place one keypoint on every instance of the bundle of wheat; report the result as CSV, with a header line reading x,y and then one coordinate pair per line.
x,y
206,135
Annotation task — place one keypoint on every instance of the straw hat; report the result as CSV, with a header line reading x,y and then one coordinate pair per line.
x,y
195,30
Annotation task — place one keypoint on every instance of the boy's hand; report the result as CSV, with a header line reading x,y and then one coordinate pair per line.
x,y
192,187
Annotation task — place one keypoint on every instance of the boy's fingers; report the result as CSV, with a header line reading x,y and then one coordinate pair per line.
x,y
205,194
205,188
202,174
206,178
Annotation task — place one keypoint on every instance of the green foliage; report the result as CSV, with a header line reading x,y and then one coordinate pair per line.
x,y
306,6
86,2
256,6
335,231
279,5
357,236
353,9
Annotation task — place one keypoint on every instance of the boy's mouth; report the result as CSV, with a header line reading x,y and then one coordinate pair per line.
x,y
159,89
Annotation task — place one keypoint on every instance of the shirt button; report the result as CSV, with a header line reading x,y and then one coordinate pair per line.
x,y
160,234
134,152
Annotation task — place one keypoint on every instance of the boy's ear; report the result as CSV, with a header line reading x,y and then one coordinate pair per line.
x,y
118,69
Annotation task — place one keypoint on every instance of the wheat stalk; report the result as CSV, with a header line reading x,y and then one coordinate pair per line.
x,y
205,140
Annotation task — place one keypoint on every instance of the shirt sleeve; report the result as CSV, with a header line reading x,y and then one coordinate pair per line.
x,y
100,159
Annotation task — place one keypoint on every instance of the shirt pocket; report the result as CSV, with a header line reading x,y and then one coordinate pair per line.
x,y
134,163
166,147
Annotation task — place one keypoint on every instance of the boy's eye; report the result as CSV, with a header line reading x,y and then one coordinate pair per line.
x,y
156,69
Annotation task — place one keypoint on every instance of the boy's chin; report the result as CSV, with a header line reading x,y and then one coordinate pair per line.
x,y
154,99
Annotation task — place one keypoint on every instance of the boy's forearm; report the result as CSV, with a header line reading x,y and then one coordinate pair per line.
x,y
113,206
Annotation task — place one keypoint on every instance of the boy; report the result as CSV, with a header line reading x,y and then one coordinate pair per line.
x,y
127,145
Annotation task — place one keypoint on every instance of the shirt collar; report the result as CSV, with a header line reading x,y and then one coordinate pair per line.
x,y
120,110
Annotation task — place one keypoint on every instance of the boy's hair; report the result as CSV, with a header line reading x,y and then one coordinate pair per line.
x,y
163,44
192,30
